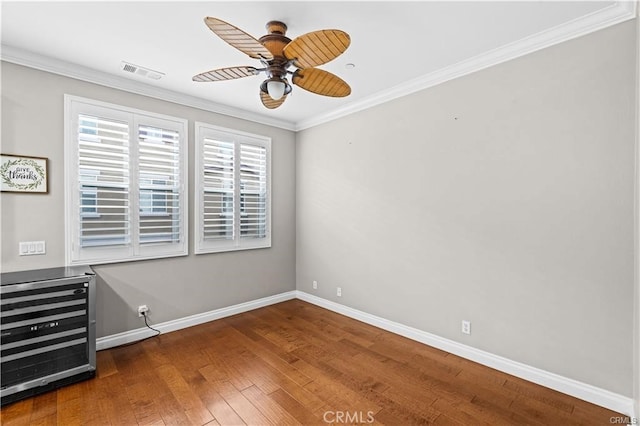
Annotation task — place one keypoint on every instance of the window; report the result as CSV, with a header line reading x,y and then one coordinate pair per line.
x,y
125,183
233,190
89,194
153,200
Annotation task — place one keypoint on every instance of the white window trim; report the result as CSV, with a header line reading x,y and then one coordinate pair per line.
x,y
205,130
134,251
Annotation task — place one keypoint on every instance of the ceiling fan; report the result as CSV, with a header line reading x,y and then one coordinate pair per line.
x,y
278,54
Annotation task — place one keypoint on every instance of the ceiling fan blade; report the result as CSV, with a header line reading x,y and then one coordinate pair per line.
x,y
229,73
238,38
321,82
317,47
269,102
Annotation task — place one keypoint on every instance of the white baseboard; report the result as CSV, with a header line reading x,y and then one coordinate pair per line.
x,y
589,393
592,394
180,323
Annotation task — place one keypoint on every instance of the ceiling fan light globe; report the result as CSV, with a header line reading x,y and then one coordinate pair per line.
x,y
276,89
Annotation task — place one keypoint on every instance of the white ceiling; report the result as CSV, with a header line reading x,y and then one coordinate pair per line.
x,y
397,47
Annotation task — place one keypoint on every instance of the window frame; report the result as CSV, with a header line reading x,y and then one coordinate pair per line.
x,y
237,138
76,254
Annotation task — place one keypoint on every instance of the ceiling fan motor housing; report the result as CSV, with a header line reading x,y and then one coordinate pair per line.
x,y
275,41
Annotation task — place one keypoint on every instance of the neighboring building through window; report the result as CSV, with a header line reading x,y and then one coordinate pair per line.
x,y
233,190
89,193
125,180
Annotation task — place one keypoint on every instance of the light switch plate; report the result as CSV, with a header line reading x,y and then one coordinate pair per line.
x,y
24,248
29,248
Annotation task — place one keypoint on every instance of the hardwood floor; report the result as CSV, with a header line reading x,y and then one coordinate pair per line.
x,y
295,363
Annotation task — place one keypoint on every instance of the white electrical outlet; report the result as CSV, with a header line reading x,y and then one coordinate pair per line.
x,y
339,292
466,327
142,309
315,285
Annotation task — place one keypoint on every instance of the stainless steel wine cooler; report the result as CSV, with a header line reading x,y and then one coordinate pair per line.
x,y
48,330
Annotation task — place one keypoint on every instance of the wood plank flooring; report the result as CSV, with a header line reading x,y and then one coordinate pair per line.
x,y
296,363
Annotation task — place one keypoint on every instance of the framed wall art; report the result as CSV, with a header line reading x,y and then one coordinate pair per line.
x,y
21,173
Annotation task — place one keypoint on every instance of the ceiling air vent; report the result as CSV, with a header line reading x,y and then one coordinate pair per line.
x,y
129,68
141,71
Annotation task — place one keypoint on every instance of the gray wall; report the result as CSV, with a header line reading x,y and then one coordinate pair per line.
x,y
32,124
636,333
504,197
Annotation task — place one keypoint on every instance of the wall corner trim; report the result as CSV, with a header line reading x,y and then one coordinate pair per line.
x,y
619,11
78,72
616,13
180,323
636,278
586,392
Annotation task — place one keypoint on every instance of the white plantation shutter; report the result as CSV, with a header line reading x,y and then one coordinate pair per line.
x,y
125,178
232,190
253,191
217,190
158,185
103,182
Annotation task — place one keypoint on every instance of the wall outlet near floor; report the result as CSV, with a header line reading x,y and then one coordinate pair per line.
x,y
339,292
466,327
315,285
142,309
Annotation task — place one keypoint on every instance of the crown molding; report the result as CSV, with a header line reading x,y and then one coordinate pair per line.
x,y
90,75
616,13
